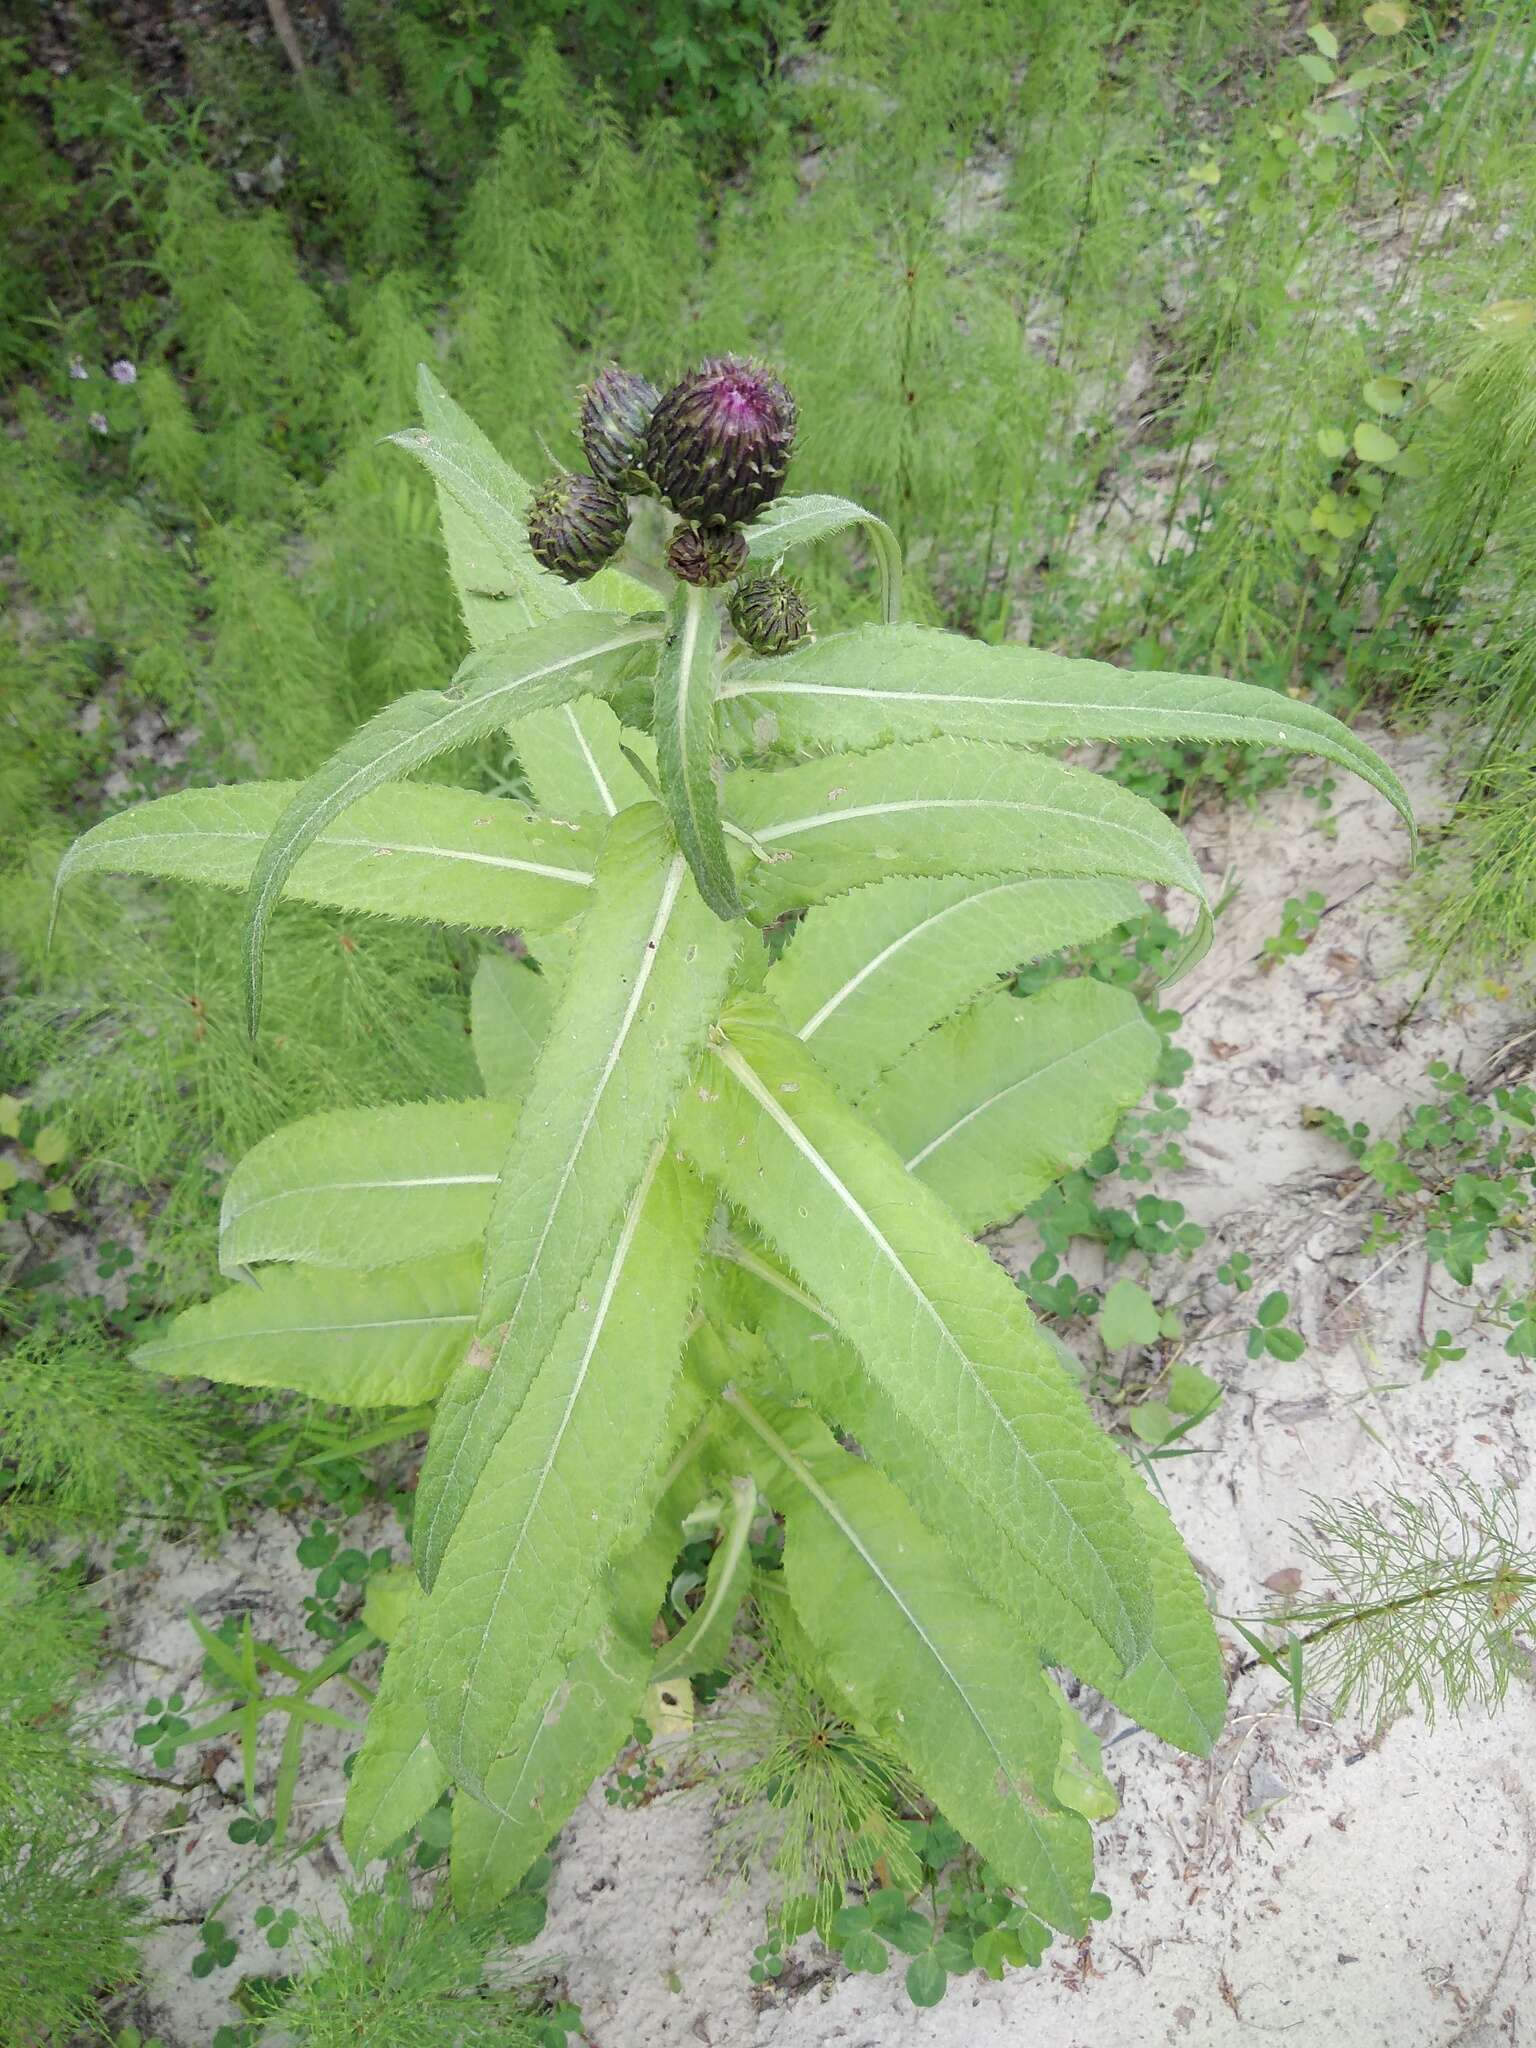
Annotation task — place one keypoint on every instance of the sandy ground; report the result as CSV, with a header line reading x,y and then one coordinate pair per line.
x,y
1327,1883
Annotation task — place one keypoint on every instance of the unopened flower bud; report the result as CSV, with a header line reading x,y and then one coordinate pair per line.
x,y
705,556
719,441
616,409
575,525
770,614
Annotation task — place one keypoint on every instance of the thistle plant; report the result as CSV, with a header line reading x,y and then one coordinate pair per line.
x,y
701,1226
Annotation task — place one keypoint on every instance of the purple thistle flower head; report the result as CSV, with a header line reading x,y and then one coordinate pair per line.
x,y
719,442
77,370
123,372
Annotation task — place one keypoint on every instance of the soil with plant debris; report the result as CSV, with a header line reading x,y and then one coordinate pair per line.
x,y
1329,1881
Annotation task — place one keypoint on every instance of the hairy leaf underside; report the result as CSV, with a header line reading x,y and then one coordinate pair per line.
x,y
716,1203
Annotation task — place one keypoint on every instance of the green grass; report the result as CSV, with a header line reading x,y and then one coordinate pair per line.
x,y
68,1926
395,1973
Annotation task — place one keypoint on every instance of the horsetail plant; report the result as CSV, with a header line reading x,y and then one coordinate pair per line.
x,y
707,1215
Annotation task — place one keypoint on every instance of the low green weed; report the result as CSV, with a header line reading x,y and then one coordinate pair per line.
x,y
336,1568
1299,920
1124,1313
637,1774
1456,1184
934,1909
1269,1335
217,1949
277,1927
235,1677
800,1789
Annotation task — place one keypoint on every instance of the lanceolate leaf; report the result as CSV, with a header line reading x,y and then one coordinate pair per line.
x,y
367,1187
795,522
561,1489
569,657
942,1329
571,752
941,1673
995,1104
868,973
404,851
872,685
685,744
572,757
648,972
704,1641
369,1340
398,1775
1080,1781
1176,1688
947,807
510,1005
579,1713
483,503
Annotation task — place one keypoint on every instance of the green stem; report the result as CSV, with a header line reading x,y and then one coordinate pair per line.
x,y
686,743
730,1247
888,561
764,1430
1382,1610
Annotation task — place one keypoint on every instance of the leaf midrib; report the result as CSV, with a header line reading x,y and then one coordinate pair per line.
x,y
611,1280
1024,1081
1241,724
347,1187
745,1076
831,1509
840,996
604,793
694,609
817,821
670,891
203,1343
327,842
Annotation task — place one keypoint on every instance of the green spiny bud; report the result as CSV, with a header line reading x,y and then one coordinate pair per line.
x,y
710,557
719,442
616,409
575,525
770,614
